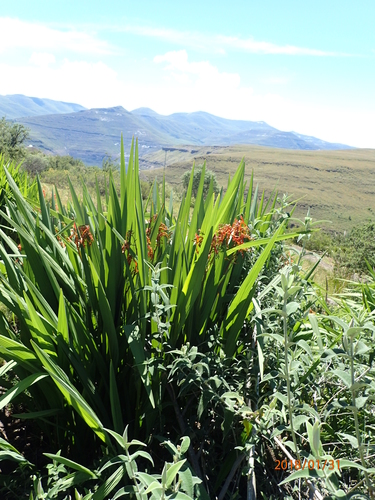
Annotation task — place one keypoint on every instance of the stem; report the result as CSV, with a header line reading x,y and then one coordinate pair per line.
x,y
235,466
355,413
139,493
316,493
181,423
289,392
251,479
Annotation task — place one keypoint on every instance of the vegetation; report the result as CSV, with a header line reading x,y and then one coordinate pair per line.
x,y
196,180
12,138
193,335
333,184
356,251
353,252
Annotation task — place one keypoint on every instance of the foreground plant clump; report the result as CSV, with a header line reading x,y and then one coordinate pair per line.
x,y
126,327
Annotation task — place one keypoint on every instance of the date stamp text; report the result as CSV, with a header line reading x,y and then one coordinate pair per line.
x,y
307,464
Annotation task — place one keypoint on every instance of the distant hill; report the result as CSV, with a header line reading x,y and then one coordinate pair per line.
x,y
202,128
18,105
90,134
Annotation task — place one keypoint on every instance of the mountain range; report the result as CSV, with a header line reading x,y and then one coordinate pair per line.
x,y
18,105
89,134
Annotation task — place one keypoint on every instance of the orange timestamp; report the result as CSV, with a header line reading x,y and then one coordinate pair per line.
x,y
307,464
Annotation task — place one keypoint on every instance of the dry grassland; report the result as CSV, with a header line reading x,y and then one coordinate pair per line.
x,y
338,186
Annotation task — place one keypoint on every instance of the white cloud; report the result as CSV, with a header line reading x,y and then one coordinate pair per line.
x,y
17,34
185,86
220,43
276,80
89,84
200,86
42,58
205,73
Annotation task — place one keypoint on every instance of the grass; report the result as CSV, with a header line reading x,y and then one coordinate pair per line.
x,y
337,186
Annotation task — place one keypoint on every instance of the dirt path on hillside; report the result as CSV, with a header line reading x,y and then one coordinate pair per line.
x,y
326,263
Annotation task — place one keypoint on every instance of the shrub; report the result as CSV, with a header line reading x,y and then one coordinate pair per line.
x,y
208,178
35,163
354,249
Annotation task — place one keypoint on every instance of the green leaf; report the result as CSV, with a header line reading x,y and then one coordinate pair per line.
x,y
239,307
18,352
115,400
185,443
344,376
181,496
107,316
12,455
7,366
302,473
72,396
109,484
261,242
348,464
351,439
119,439
291,308
70,463
281,397
137,348
155,485
62,325
299,420
38,414
316,330
313,433
20,387
173,471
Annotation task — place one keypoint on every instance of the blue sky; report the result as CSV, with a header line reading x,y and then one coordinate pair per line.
x,y
302,66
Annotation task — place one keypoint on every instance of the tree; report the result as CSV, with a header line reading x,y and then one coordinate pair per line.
x,y
196,180
66,162
109,163
12,138
35,163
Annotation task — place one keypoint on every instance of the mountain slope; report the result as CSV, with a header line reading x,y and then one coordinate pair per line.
x,y
18,105
90,134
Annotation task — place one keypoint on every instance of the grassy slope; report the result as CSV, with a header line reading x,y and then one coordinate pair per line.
x,y
336,185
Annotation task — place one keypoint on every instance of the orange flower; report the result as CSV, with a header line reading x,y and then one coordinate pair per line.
x,y
150,251
85,234
198,239
227,234
81,235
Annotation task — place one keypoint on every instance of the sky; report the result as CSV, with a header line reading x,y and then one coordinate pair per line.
x,y
307,67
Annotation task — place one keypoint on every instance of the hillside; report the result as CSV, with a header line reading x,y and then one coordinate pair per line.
x,y
204,128
18,105
336,185
90,134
